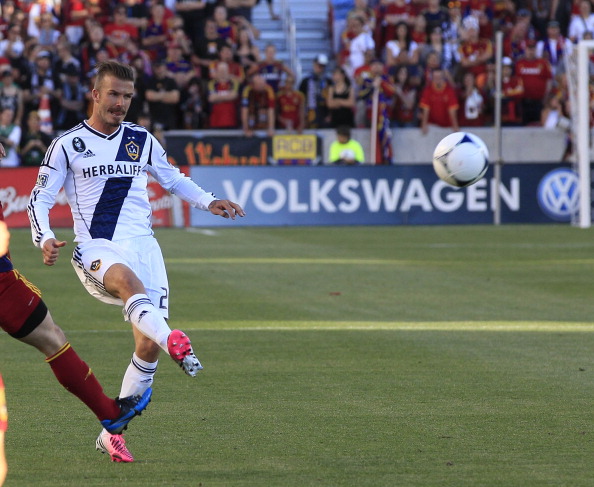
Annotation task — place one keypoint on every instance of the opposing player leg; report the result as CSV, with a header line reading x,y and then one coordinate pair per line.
x,y
29,320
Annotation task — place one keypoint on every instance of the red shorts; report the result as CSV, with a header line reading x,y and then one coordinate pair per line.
x,y
22,309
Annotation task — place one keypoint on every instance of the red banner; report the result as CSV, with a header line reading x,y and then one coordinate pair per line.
x,y
16,185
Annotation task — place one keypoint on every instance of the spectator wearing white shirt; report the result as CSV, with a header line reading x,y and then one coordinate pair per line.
x,y
581,23
361,43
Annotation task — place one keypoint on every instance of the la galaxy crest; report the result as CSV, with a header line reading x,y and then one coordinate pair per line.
x,y
96,265
133,150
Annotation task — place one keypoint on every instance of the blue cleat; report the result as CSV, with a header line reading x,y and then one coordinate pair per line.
x,y
130,407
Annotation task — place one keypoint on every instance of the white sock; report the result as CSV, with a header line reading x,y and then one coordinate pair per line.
x,y
138,377
144,316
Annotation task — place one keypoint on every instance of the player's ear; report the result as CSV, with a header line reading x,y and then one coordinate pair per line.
x,y
95,94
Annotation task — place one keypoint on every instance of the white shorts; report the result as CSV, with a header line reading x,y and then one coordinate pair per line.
x,y
142,254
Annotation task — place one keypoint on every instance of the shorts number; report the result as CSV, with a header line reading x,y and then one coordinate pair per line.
x,y
163,298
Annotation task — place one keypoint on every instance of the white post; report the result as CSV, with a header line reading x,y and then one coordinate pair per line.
x,y
497,156
583,132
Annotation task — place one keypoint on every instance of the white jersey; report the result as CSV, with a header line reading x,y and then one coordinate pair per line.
x,y
105,179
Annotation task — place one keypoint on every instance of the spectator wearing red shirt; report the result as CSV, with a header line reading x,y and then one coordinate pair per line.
x,y
438,103
475,52
74,14
258,103
512,91
119,32
290,106
537,78
223,96
236,71
389,14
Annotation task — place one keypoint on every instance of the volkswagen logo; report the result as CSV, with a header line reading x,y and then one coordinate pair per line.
x,y
558,194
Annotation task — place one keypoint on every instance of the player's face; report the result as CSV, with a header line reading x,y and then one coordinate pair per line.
x,y
112,100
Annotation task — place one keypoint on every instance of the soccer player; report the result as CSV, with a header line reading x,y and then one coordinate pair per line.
x,y
26,317
103,165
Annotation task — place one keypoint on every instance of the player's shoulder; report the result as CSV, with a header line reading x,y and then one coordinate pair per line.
x,y
135,127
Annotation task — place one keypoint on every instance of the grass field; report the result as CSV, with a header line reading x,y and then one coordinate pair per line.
x,y
368,356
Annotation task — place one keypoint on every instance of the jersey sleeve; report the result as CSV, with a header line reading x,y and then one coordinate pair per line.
x,y
173,180
50,180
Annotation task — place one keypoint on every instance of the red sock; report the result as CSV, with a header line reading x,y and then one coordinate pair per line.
x,y
78,378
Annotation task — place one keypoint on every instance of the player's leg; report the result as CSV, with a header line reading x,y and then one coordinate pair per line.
x,y
28,320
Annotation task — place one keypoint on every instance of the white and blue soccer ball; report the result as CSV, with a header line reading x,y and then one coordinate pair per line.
x,y
461,159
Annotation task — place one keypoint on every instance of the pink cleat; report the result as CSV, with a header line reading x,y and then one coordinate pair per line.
x,y
115,445
180,350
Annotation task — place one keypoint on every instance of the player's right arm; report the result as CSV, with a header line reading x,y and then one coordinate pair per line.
x,y
50,180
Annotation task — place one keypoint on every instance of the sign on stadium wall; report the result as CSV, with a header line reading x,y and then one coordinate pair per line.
x,y
191,150
392,195
16,185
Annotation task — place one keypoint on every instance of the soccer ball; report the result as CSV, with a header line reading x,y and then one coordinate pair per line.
x,y
461,159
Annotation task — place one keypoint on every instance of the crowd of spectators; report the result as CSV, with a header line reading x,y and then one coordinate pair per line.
x,y
198,65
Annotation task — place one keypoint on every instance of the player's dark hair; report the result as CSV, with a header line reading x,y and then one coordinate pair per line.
x,y
114,68
343,130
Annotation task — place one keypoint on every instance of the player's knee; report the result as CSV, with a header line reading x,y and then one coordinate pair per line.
x,y
121,282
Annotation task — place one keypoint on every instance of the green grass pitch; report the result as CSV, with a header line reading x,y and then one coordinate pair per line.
x,y
361,356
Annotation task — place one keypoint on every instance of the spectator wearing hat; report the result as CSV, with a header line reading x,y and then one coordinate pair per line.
x,y
512,92
315,88
537,78
474,51
553,47
163,96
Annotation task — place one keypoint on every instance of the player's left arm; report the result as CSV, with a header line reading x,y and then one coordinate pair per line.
x,y
182,186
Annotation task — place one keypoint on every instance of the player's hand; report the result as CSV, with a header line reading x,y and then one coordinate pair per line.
x,y
2,151
51,250
226,209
